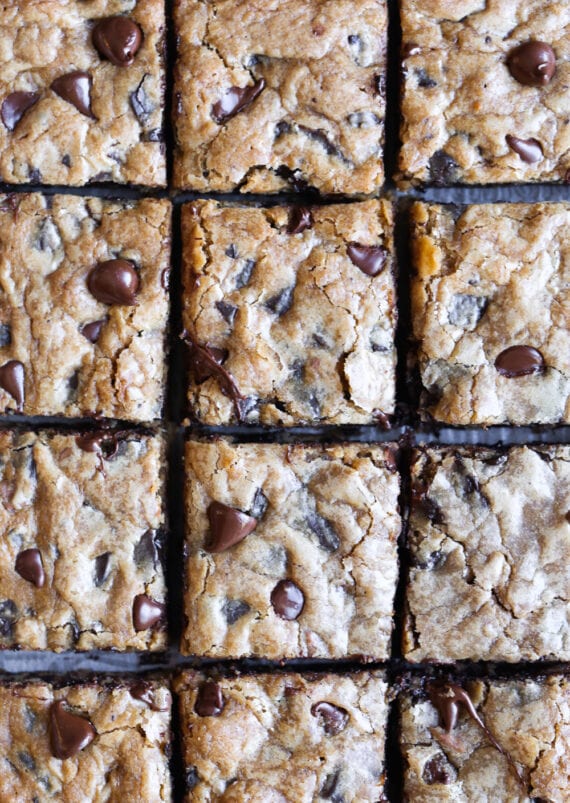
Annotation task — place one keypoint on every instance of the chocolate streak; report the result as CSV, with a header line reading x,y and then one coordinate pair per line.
x,y
205,357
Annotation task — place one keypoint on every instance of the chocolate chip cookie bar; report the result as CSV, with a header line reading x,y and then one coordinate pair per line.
x,y
485,96
289,313
279,96
90,741
490,312
84,306
81,531
82,92
284,737
490,555
290,550
488,740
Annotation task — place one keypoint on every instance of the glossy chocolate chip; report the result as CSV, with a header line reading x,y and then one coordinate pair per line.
x,y
227,311
228,527
92,330
236,100
118,40
146,693
69,733
287,600
300,218
532,63
443,169
370,259
15,106
519,361
75,88
334,718
29,566
529,150
114,281
209,700
146,612
12,380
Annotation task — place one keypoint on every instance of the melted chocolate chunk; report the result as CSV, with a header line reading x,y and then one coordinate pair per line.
x,y
334,718
281,302
370,259
519,361
101,571
29,565
227,311
114,281
15,106
141,103
436,770
325,532
532,63
234,609
259,504
529,150
145,692
287,600
12,376
300,218
117,39
69,733
146,552
228,527
236,100
105,444
146,612
75,88
202,367
442,169
204,358
209,700
92,330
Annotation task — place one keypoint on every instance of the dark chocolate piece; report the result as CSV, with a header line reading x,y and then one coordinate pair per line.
x,y
69,733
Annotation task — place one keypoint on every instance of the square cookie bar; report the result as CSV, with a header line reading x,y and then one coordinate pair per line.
x,y
83,306
89,741
80,539
291,550
270,96
82,92
490,555
488,740
290,313
283,737
490,306
485,97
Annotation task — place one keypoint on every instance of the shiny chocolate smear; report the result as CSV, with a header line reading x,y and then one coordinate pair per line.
x,y
236,100
228,527
369,258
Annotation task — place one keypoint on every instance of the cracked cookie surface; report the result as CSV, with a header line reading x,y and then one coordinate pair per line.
x,y
279,94
325,519
126,755
102,124
297,307
491,311
80,540
284,737
64,350
490,555
530,719
468,116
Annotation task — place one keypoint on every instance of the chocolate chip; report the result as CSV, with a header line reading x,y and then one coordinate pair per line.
x,y
47,237
29,565
424,81
101,572
363,120
202,368
282,128
146,551
330,786
231,251
104,443
325,532
287,600
532,63
227,311
27,761
466,311
118,40
146,612
209,700
141,103
15,106
334,718
519,361
75,88
436,770
34,175
92,330
5,335
192,779
234,609
236,100
281,302
442,169
12,376
228,527
320,136
8,615
300,218
259,504
529,150
69,733
146,693
369,258
114,282
66,160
